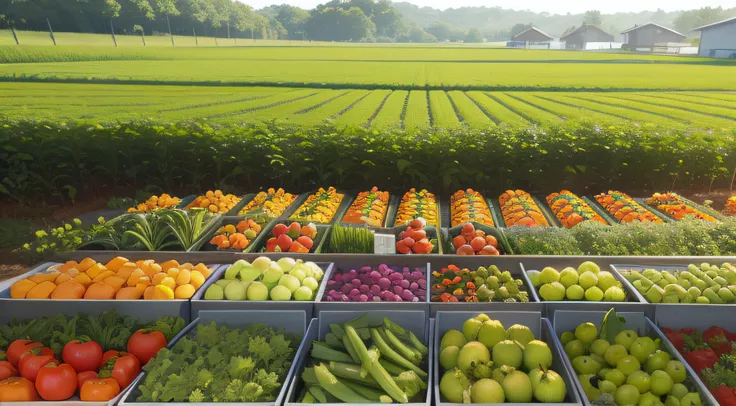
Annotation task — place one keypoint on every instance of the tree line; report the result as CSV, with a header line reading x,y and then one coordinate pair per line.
x,y
354,20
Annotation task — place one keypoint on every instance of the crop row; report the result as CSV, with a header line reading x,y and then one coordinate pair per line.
x,y
377,109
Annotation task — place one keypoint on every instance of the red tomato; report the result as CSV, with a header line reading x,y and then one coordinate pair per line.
x,y
109,354
7,370
85,376
102,390
36,351
123,368
17,389
144,344
56,382
82,355
17,348
34,360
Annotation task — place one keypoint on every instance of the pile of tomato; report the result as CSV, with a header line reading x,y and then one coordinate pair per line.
x,y
33,372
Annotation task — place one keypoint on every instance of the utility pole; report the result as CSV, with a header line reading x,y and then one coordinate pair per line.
x,y
51,32
170,34
112,32
143,38
196,41
15,36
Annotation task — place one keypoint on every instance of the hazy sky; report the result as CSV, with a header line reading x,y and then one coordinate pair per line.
x,y
551,6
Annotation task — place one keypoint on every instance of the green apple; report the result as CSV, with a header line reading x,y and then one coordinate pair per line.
x,y
575,292
552,291
311,283
599,347
235,291
642,348
233,270
615,376
574,348
587,280
585,365
671,401
303,294
594,294
568,277
657,361
280,293
262,263
676,371
566,337
537,355
222,283
628,365
589,266
626,395
257,291
607,387
661,383
626,338
640,379
271,276
679,390
691,399
286,264
647,399
249,274
586,333
591,392
548,275
614,354
214,292
614,294
290,281
606,280
299,274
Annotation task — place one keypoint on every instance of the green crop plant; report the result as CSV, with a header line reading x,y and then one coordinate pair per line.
x,y
443,113
417,111
470,112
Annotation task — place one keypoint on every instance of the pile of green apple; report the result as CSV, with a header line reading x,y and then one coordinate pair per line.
x,y
702,285
587,282
627,369
486,363
264,279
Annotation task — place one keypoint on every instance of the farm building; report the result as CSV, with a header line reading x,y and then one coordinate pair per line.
x,y
532,35
718,40
578,38
645,37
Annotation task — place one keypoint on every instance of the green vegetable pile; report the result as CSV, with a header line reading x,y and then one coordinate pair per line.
x,y
361,363
221,364
110,329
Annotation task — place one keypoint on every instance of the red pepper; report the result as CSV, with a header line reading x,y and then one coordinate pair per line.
x,y
700,359
676,338
724,395
717,340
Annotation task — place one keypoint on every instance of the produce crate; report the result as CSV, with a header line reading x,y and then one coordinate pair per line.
x,y
322,231
653,208
347,200
658,306
701,317
441,218
393,205
473,262
289,209
185,201
204,245
610,218
567,320
543,207
540,327
322,305
447,213
326,245
198,303
232,212
416,321
633,302
143,309
503,243
431,235
600,210
291,321
595,207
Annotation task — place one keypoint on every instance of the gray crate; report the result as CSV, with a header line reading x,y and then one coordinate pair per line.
x,y
416,321
292,321
143,309
637,321
658,306
540,327
633,302
321,305
473,262
199,304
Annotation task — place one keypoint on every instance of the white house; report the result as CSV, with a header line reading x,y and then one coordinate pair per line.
x,y
718,40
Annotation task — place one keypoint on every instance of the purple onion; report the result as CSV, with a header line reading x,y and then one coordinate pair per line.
x,y
418,275
354,292
398,290
414,286
388,295
364,289
422,282
346,289
407,295
376,298
396,276
345,299
397,298
356,282
330,299
375,289
405,284
338,277
363,298
384,283
375,276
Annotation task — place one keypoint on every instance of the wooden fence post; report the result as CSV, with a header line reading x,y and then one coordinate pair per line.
x,y
51,32
112,32
15,36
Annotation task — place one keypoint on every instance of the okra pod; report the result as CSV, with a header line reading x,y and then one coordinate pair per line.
x,y
352,372
333,386
358,346
324,352
384,378
351,350
400,347
392,355
417,344
368,393
406,335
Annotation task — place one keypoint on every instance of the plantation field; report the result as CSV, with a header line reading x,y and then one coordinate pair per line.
x,y
376,109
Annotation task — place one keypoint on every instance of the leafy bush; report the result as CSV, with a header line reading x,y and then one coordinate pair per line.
x,y
56,161
687,237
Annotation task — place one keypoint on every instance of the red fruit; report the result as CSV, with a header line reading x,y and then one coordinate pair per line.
x,y
122,368
417,224
295,230
7,370
401,248
82,355
57,382
296,246
478,243
284,242
33,362
418,235
465,250
408,242
307,242
279,229
85,376
17,348
468,228
423,246
310,230
145,343
489,250
458,241
271,245
491,240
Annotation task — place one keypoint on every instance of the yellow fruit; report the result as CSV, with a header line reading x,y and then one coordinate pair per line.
x,y
156,280
196,279
173,272
169,281
202,268
20,289
186,265
162,292
148,292
213,208
183,277
184,291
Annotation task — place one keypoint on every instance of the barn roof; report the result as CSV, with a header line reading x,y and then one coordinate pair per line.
x,y
535,29
636,27
581,27
726,21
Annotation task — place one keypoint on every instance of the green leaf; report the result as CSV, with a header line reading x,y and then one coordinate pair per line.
x,y
611,326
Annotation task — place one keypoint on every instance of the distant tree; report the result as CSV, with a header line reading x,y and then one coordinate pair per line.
x,y
474,36
337,24
416,34
658,16
592,17
293,19
445,32
690,19
519,28
569,30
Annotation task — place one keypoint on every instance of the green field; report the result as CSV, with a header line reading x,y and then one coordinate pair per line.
x,y
376,86
378,109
